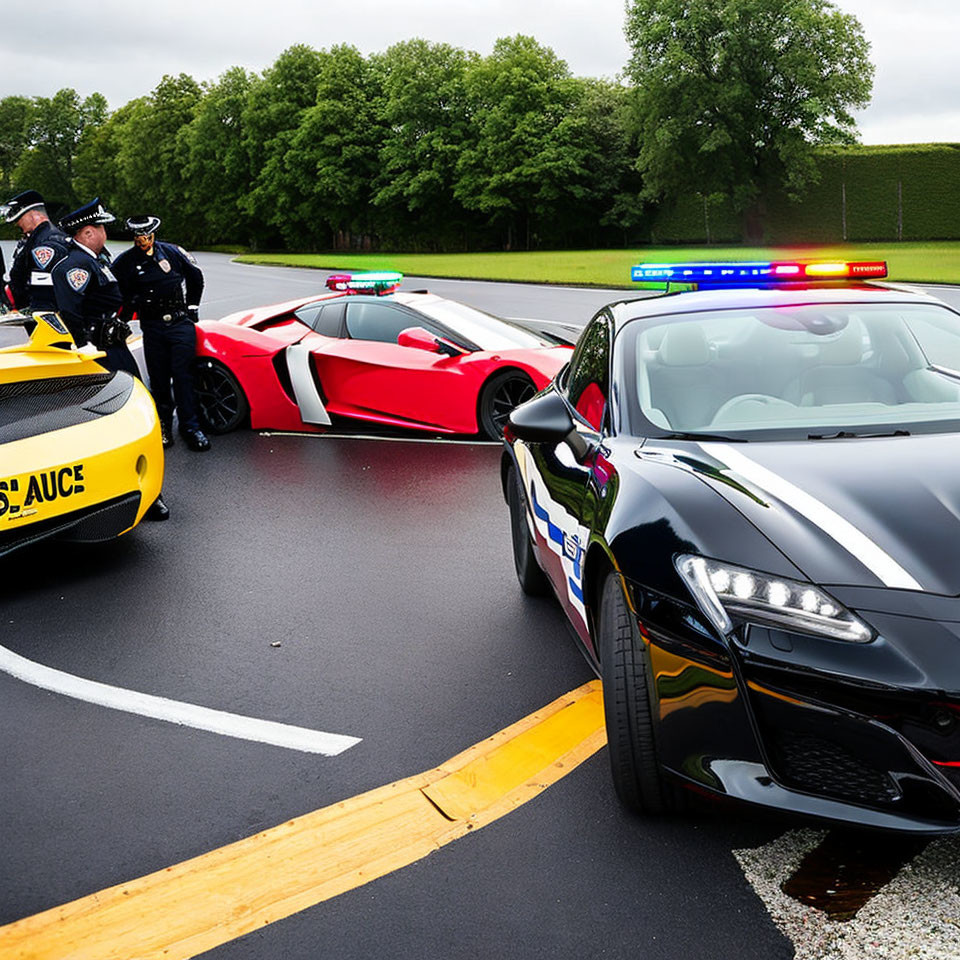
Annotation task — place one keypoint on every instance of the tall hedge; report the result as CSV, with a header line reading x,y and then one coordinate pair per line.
x,y
909,192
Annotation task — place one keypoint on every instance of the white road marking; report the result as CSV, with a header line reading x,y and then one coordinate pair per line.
x,y
173,711
328,435
916,915
855,541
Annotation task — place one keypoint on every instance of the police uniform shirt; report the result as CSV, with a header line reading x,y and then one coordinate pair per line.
x,y
86,290
158,279
31,280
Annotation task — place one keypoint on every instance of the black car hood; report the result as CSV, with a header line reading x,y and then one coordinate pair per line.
x,y
866,513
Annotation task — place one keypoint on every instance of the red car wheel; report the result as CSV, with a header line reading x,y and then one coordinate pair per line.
x,y
222,403
499,396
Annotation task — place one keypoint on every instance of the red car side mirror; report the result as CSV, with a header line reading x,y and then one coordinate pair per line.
x,y
424,340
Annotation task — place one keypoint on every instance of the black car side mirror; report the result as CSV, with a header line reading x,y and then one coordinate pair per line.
x,y
546,419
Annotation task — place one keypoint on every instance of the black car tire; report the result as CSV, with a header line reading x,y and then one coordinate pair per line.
x,y
500,394
221,402
624,668
533,581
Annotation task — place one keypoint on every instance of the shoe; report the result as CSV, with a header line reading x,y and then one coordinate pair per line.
x,y
157,510
166,433
196,440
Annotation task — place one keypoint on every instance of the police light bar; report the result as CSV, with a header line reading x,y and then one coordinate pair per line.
x,y
383,282
759,271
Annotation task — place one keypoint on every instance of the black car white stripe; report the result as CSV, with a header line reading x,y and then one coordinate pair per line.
x,y
852,539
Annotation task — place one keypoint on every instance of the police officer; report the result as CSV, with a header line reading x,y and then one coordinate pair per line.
x,y
89,298
88,295
162,284
41,247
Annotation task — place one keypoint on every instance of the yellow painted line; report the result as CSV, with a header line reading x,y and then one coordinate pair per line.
x,y
202,903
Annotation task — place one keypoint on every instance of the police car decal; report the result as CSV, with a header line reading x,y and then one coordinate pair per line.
x,y
564,536
78,278
37,488
43,256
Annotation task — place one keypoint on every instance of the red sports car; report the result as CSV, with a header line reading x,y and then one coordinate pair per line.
x,y
367,352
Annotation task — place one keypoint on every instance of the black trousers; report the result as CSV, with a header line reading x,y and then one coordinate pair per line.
x,y
168,351
119,357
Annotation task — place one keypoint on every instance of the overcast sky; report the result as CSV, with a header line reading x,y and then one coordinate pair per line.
x,y
123,47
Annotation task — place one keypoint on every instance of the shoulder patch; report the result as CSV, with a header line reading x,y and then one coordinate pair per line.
x,y
43,256
78,278
189,256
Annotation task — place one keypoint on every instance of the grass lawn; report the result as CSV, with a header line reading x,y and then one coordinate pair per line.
x,y
919,262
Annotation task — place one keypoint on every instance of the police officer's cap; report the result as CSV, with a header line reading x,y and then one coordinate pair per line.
x,y
17,206
143,225
90,213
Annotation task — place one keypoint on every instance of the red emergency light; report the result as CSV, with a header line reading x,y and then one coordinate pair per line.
x,y
759,272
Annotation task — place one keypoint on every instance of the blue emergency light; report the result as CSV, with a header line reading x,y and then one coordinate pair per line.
x,y
748,272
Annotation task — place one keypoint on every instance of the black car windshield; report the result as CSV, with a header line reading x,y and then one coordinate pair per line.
x,y
823,371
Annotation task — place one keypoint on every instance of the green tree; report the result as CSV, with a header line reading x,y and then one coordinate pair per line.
x,y
427,122
16,120
58,124
96,168
150,167
732,95
523,160
271,117
593,167
332,161
216,168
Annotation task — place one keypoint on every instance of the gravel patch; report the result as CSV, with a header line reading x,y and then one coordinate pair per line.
x,y
914,917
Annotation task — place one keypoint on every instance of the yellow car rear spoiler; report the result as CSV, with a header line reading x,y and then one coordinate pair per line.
x,y
50,352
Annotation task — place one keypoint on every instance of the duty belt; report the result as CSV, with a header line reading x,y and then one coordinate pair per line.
x,y
165,310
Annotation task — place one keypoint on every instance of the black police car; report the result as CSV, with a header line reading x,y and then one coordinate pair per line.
x,y
747,500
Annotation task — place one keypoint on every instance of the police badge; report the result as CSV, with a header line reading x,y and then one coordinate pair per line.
x,y
164,265
78,278
43,255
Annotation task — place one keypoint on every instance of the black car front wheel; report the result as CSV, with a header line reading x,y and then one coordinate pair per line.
x,y
624,668
221,401
501,393
533,580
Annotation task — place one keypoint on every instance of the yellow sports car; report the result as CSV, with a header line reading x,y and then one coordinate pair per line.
x,y
80,451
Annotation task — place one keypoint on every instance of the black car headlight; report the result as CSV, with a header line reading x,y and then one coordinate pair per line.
x,y
726,593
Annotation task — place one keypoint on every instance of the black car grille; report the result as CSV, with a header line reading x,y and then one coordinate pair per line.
x,y
821,766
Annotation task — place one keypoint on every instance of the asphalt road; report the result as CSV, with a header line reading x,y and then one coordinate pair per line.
x,y
383,571
364,588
